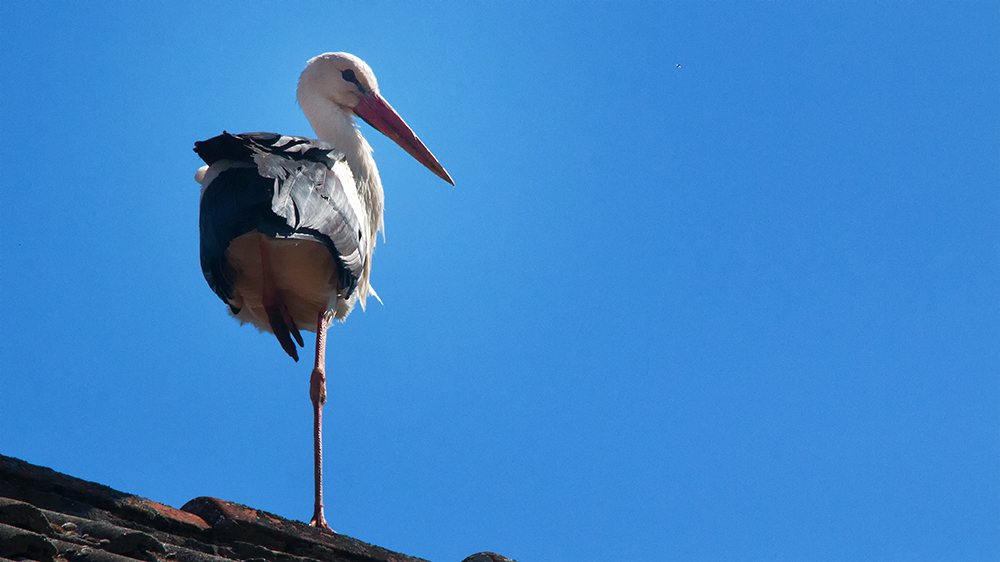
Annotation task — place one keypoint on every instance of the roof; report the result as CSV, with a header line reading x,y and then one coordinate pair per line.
x,y
51,517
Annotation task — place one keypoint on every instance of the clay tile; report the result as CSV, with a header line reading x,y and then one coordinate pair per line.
x,y
19,543
24,516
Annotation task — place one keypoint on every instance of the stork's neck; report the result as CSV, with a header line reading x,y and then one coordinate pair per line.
x,y
336,126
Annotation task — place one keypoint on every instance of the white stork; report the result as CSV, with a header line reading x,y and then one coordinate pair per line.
x,y
288,224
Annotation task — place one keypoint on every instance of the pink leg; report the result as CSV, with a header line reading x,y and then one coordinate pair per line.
x,y
317,392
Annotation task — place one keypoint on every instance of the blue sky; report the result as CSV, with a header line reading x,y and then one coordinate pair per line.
x,y
743,308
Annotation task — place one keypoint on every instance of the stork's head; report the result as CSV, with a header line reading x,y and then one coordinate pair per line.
x,y
342,77
349,83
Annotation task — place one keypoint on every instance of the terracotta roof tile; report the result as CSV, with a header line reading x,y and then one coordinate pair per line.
x,y
52,517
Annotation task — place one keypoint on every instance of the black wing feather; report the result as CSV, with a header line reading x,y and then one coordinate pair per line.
x,y
280,186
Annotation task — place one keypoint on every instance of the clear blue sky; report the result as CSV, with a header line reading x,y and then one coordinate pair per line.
x,y
744,308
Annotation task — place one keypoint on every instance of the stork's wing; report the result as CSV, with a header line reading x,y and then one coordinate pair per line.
x,y
286,187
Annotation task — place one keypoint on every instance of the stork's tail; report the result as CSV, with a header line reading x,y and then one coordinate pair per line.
x,y
282,323
284,327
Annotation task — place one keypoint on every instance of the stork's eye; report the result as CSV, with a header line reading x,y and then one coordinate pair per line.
x,y
349,76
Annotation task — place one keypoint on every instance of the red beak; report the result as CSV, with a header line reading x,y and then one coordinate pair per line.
x,y
379,114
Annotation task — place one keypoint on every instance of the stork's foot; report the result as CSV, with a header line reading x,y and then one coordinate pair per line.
x,y
319,521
